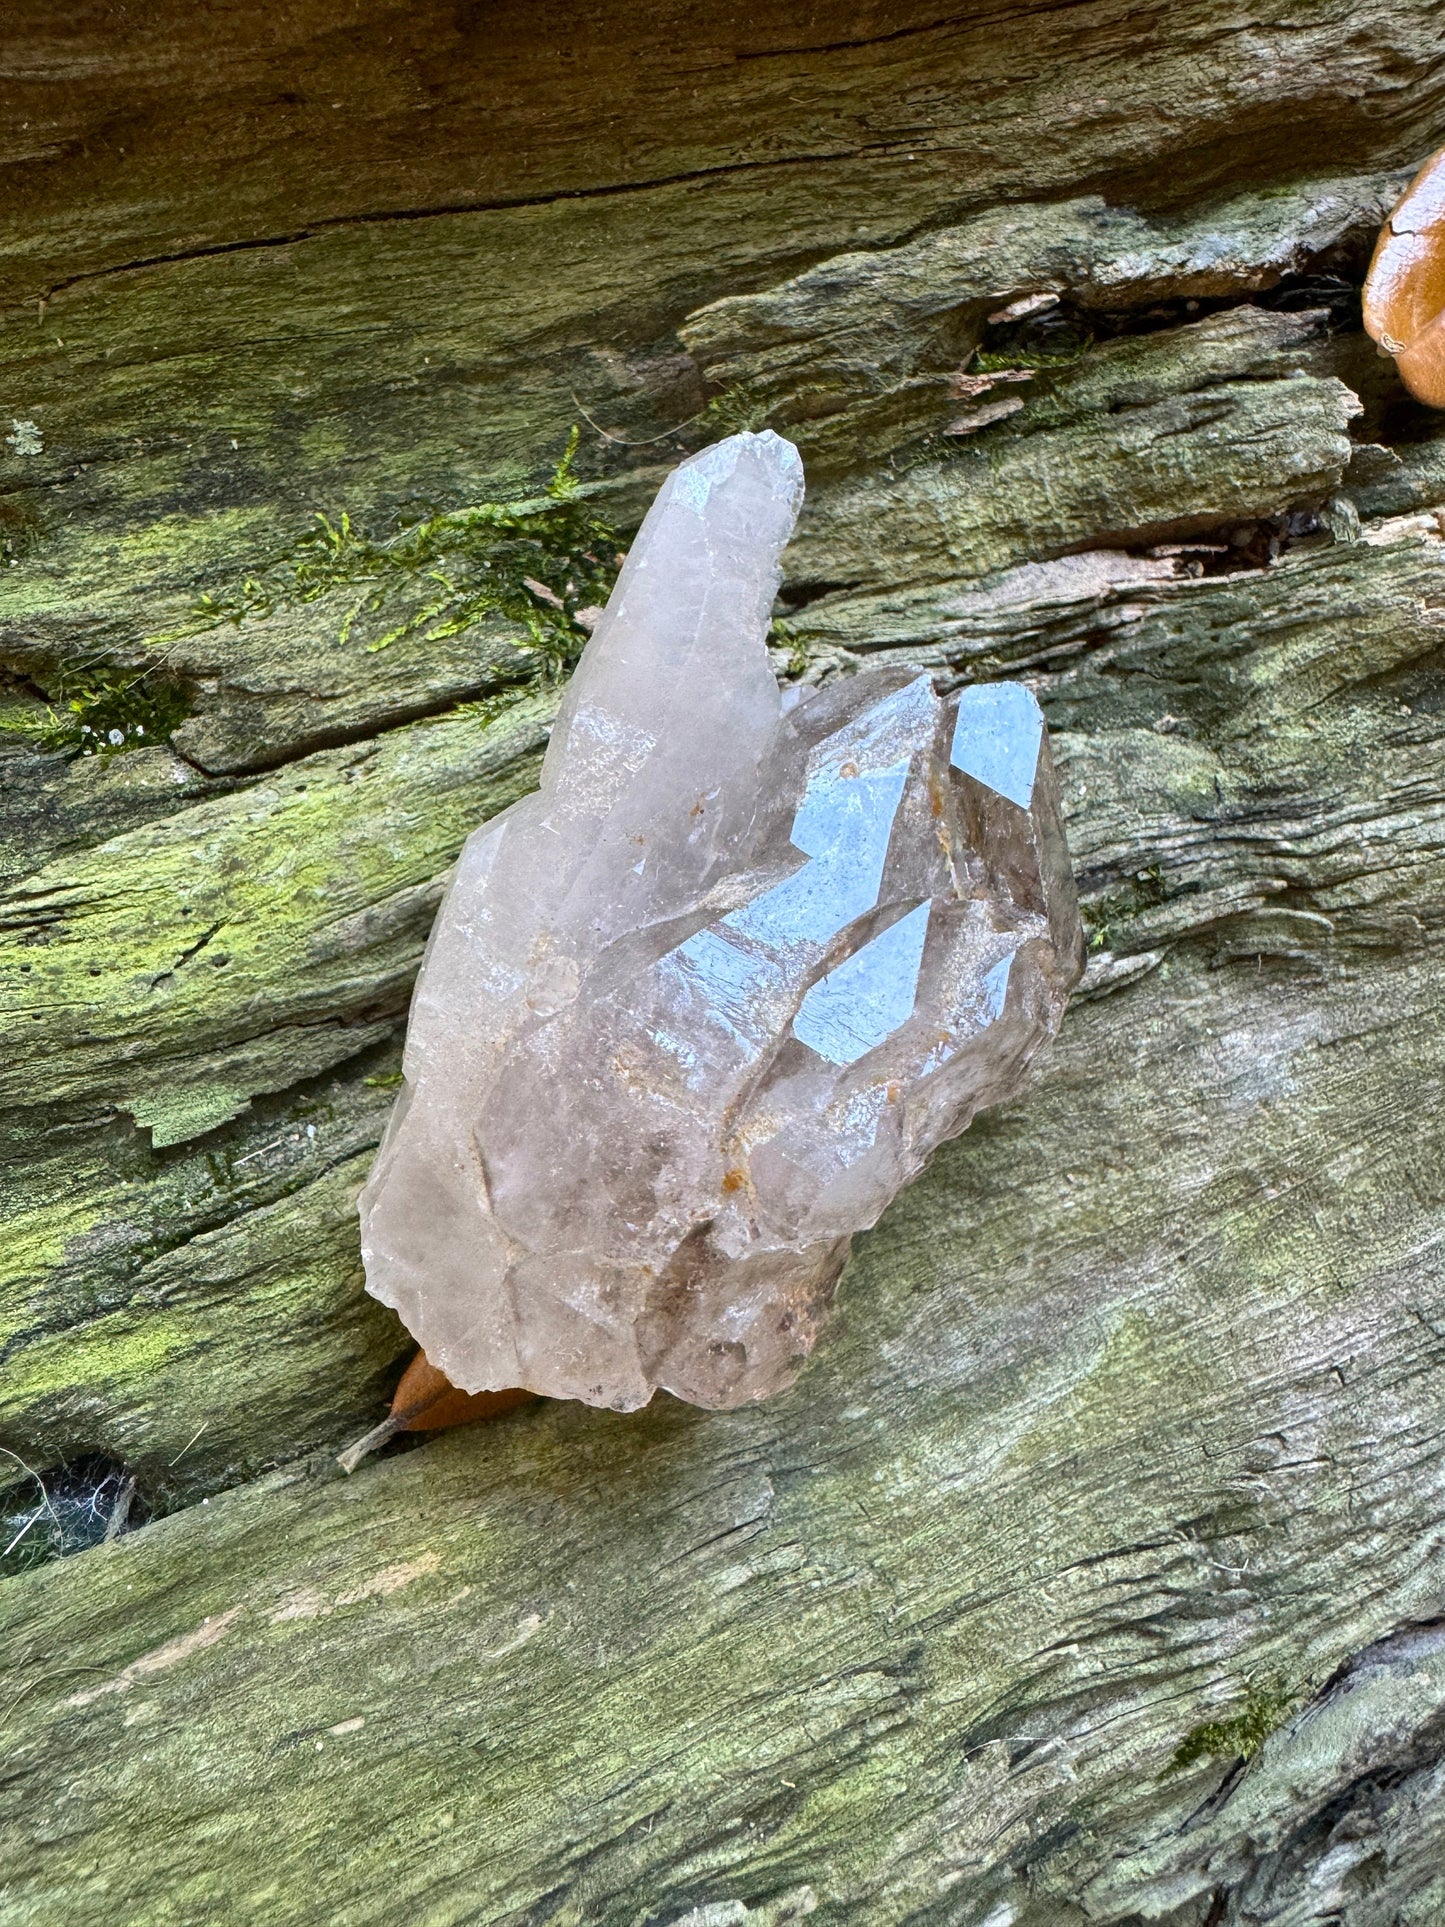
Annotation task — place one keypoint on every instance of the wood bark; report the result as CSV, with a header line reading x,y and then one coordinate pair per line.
x,y
1093,1571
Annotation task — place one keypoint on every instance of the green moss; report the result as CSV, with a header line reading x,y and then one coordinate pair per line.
x,y
997,364
782,635
114,1350
199,952
540,563
1053,339
1139,890
1240,1737
104,709
735,411
490,709
36,1237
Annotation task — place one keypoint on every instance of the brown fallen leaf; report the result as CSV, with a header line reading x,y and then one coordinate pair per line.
x,y
1404,294
426,1401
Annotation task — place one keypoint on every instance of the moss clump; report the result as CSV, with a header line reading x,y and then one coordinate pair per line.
x,y
733,411
1055,338
997,364
1240,1737
782,635
99,709
540,563
489,709
1142,890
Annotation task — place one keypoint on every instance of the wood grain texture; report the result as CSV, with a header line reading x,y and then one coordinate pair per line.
x,y
149,133
1123,1457
1134,1400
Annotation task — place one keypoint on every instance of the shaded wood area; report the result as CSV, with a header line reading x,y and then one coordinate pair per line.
x,y
1093,1571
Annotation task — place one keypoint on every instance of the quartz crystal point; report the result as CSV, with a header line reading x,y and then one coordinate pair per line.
x,y
696,1011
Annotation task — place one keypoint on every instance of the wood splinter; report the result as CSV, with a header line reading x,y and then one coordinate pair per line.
x,y
426,1401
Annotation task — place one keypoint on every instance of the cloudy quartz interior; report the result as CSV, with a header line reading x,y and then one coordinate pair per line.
x,y
694,1013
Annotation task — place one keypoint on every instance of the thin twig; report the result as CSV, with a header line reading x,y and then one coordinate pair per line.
x,y
38,1513
30,1471
43,1679
648,441
189,1442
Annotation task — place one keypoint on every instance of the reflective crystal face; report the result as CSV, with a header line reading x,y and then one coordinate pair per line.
x,y
694,1013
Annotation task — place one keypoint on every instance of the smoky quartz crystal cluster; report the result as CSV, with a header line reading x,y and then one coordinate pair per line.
x,y
693,1013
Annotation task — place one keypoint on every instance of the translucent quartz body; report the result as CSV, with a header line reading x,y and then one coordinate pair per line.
x,y
696,1011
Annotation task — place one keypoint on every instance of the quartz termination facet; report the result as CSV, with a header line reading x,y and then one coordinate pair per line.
x,y
696,1011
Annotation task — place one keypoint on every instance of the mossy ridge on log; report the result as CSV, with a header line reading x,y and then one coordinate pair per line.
x,y
254,939
197,411
864,342
270,688
186,1311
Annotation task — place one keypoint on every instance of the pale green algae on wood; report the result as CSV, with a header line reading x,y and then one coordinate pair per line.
x,y
1058,1447
1130,1422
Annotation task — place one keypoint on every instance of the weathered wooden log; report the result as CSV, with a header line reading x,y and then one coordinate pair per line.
x,y
1093,1570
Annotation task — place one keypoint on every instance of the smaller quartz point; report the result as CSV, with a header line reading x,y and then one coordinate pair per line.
x,y
694,1013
